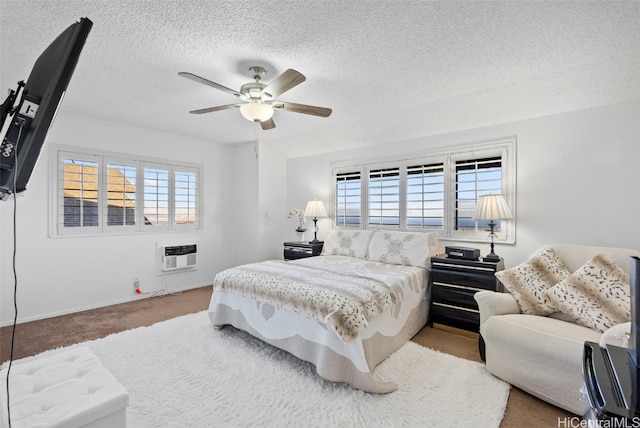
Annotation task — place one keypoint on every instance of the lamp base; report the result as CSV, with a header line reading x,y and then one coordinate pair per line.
x,y
491,258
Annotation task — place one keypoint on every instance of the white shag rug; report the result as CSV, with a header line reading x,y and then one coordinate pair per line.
x,y
184,373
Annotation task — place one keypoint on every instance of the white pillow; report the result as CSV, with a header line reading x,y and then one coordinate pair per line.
x,y
354,243
403,248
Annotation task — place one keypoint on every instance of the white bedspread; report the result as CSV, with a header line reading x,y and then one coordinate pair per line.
x,y
314,338
341,291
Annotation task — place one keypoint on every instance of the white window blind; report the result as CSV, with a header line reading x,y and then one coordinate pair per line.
x,y
435,191
384,197
475,178
425,196
348,206
121,194
78,187
185,196
109,193
156,196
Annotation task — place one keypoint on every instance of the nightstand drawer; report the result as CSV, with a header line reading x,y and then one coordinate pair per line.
x,y
455,316
479,281
454,295
299,250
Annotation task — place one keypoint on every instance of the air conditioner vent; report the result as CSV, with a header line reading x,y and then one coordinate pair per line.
x,y
179,257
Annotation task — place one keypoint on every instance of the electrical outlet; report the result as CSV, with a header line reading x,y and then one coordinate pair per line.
x,y
136,282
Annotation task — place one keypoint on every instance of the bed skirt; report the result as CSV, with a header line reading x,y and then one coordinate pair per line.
x,y
313,341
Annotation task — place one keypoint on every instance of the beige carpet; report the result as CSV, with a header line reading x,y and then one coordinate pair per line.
x,y
227,378
37,336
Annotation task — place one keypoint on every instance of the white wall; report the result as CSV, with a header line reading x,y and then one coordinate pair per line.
x,y
272,185
67,274
578,177
259,183
244,208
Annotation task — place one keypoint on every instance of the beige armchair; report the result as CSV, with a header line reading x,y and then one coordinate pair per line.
x,y
542,355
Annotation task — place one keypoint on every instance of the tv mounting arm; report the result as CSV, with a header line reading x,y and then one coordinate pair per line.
x,y
9,105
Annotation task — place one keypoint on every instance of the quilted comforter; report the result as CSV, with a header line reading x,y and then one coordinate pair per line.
x,y
346,300
343,314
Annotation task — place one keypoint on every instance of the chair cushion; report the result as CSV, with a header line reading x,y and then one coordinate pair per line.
x,y
540,355
528,282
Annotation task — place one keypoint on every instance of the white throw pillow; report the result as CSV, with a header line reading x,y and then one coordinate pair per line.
x,y
529,281
596,296
403,248
353,243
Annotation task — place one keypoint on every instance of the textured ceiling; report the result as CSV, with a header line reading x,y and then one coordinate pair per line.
x,y
390,70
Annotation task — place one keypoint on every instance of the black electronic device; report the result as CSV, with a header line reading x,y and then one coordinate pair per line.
x,y
634,339
28,112
611,374
465,253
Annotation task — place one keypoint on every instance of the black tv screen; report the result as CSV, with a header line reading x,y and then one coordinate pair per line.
x,y
28,112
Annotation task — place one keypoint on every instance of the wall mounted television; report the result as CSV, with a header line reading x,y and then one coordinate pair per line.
x,y
28,111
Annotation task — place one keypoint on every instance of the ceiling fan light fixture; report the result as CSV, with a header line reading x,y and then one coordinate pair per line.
x,y
256,112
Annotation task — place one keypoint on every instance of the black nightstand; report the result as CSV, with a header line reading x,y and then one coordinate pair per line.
x,y
453,284
301,249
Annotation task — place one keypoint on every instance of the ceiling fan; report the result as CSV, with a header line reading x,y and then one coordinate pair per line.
x,y
260,98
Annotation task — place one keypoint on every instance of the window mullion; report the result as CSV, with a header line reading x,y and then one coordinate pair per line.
x,y
450,191
402,196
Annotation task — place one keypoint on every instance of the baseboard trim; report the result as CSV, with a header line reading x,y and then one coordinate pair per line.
x,y
136,297
457,331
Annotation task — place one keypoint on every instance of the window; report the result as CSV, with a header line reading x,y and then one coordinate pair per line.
x,y
384,197
121,194
80,192
156,196
185,199
100,193
348,205
437,191
475,178
425,196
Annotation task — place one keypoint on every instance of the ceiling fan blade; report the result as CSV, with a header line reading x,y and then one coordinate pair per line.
x,y
212,109
303,108
284,82
268,124
210,83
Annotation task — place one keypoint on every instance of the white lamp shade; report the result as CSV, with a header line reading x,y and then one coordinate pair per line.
x,y
492,207
256,112
315,208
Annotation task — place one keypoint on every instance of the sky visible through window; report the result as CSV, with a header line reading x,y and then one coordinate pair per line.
x,y
425,196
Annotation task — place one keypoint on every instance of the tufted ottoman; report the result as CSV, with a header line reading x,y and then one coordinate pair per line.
x,y
67,390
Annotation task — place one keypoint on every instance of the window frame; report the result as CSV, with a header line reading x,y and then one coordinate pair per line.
x,y
383,168
348,171
505,148
104,158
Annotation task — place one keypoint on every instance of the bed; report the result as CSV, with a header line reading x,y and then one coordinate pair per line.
x,y
344,311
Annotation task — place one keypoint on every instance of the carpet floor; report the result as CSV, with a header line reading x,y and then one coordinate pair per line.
x,y
37,336
185,373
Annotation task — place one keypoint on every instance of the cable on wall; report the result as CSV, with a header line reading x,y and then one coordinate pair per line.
x,y
20,122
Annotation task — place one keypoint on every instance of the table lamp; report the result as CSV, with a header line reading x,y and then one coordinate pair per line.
x,y
492,207
315,209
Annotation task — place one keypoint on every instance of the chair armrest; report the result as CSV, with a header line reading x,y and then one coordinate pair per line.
x,y
492,303
617,335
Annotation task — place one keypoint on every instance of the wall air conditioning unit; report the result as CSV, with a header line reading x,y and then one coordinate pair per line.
x,y
177,257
